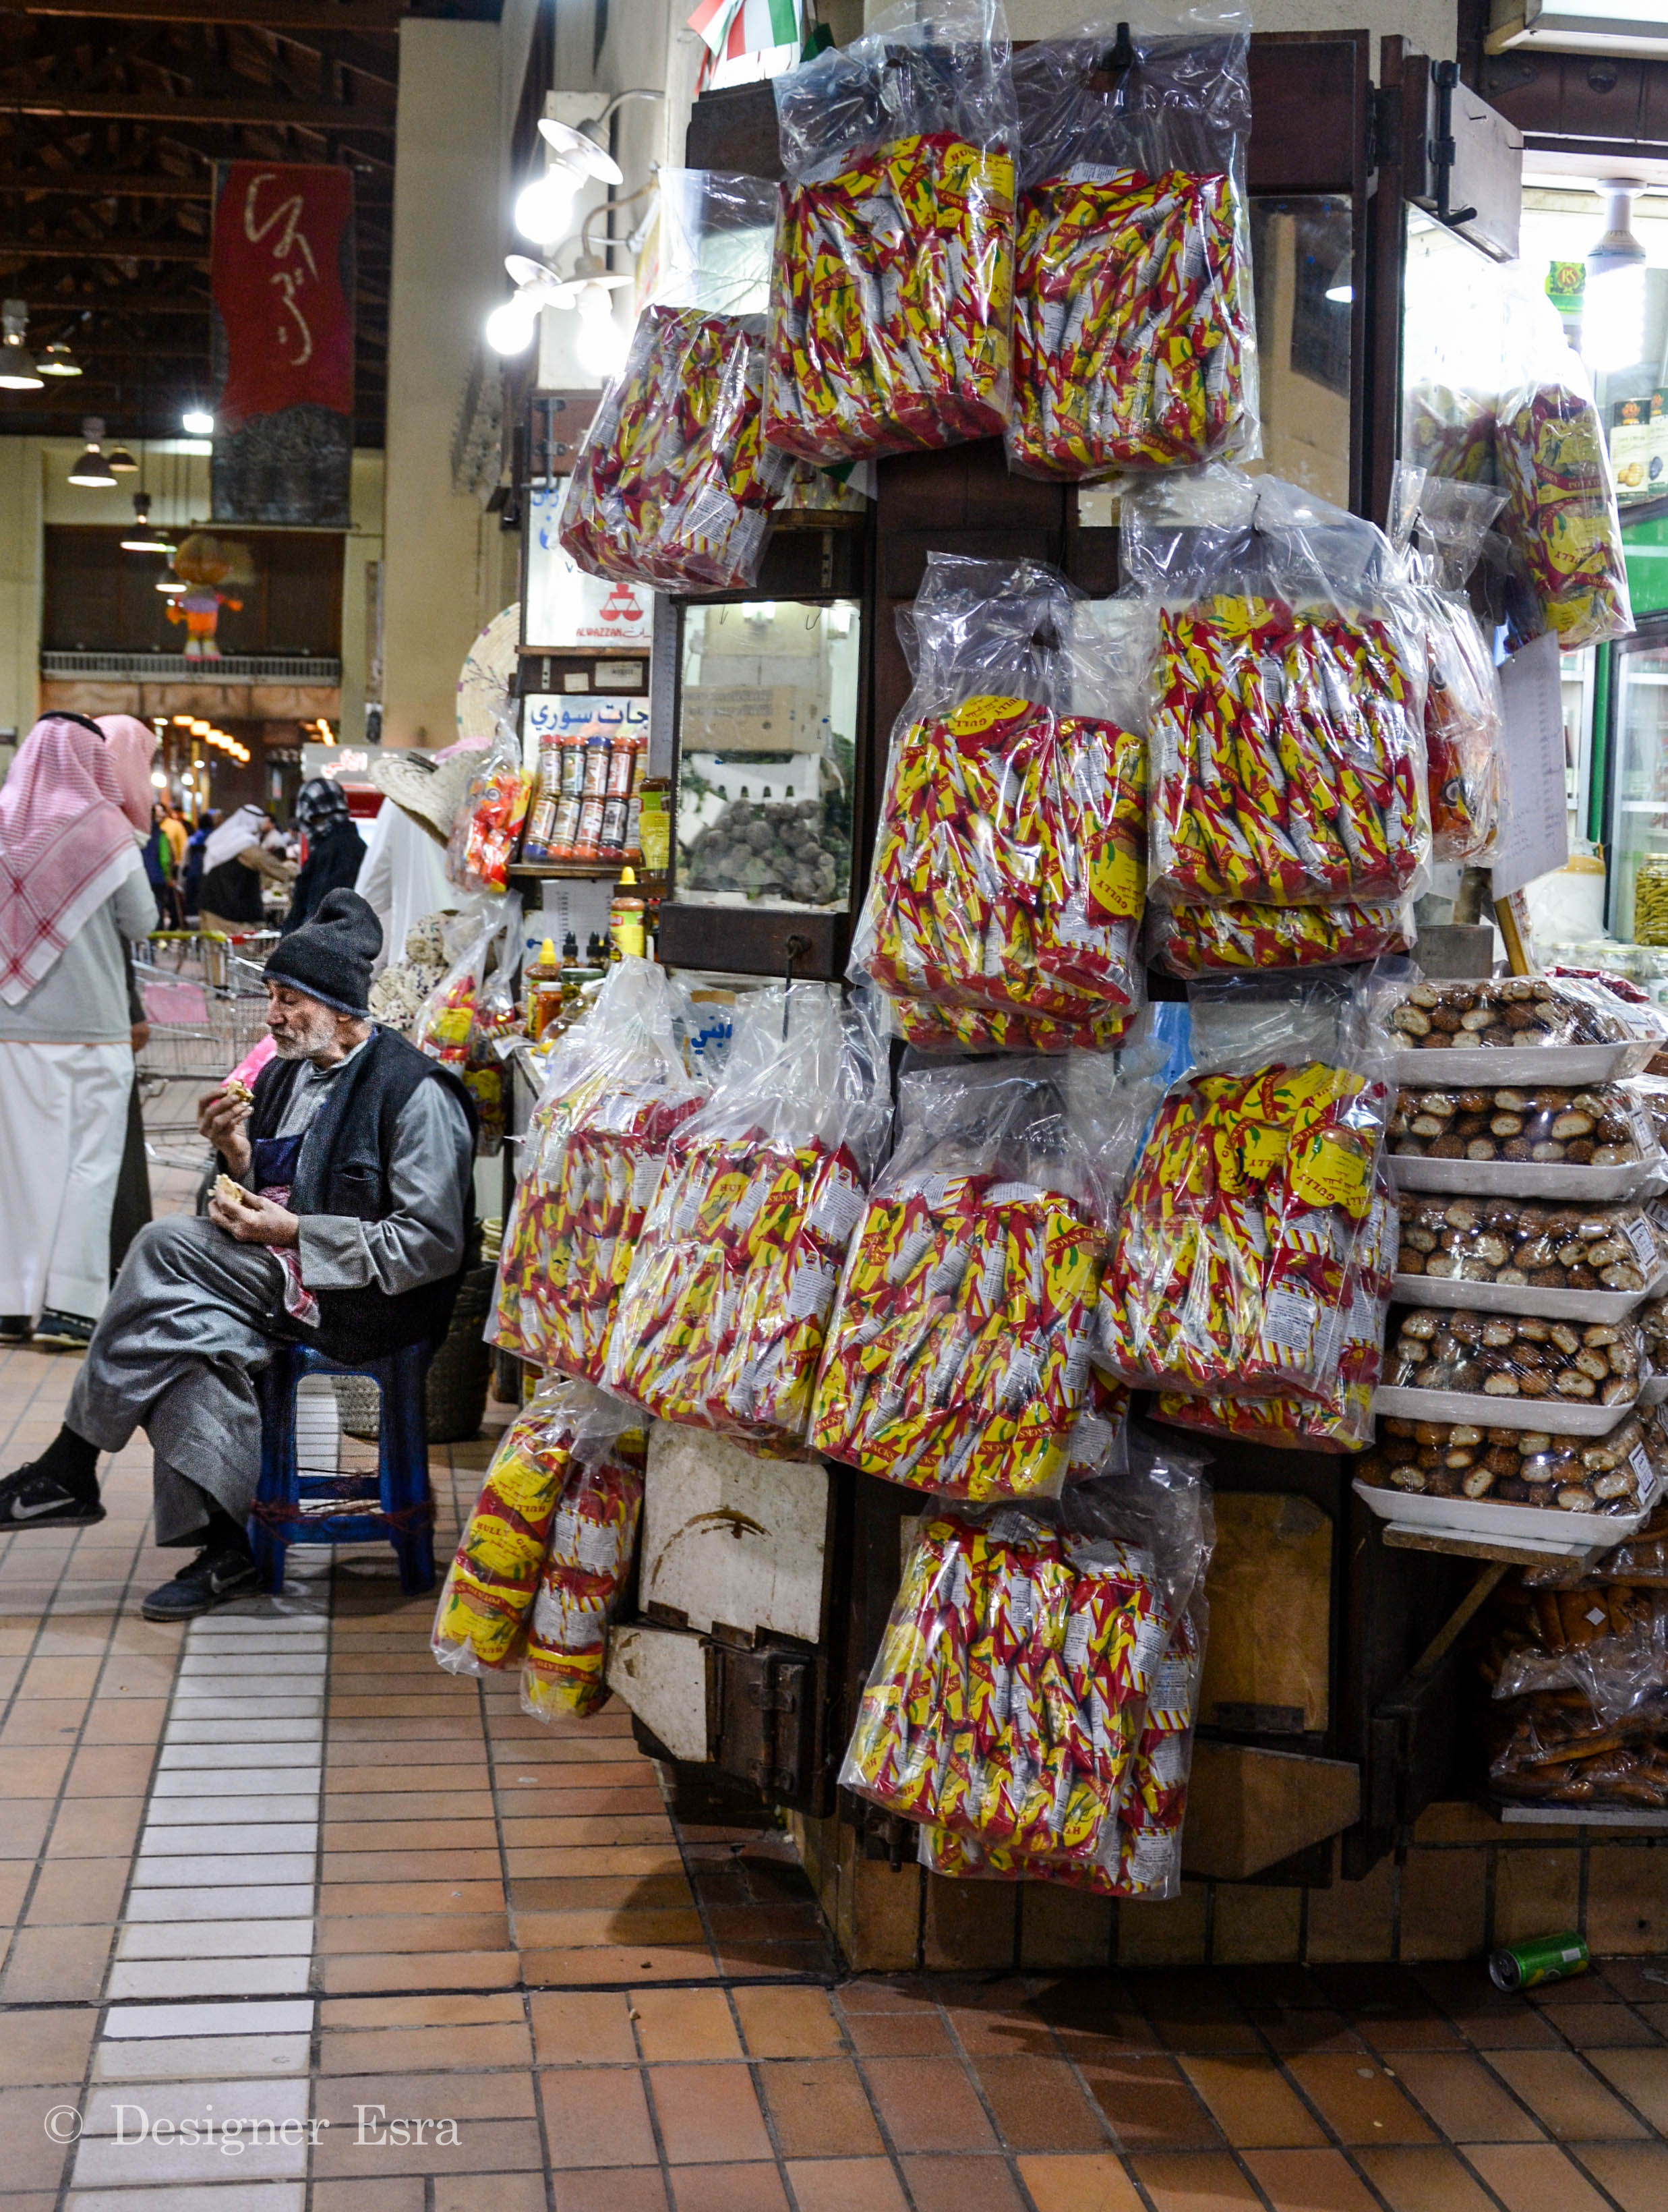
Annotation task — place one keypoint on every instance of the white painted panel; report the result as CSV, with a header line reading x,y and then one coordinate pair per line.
x,y
661,1674
730,1537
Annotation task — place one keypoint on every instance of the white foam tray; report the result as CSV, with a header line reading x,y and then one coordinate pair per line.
x,y
1489,1066
1653,1391
1522,1297
1537,1527
1557,1417
1522,1811
1525,1179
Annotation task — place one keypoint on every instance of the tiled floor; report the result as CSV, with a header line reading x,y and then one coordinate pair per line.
x,y
427,1956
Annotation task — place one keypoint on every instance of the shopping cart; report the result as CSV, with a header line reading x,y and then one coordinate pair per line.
x,y
204,997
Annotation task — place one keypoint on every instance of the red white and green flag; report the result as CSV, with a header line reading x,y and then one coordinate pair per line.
x,y
764,33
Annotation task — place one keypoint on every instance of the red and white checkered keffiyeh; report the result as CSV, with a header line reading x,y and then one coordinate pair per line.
x,y
67,818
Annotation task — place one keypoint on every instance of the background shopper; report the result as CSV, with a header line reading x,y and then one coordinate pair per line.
x,y
335,849
235,863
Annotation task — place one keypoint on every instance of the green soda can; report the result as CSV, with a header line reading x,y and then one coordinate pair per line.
x,y
1543,1959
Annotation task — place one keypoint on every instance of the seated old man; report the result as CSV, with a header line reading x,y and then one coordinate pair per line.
x,y
344,1224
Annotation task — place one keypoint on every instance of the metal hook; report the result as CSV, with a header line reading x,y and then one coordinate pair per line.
x,y
796,948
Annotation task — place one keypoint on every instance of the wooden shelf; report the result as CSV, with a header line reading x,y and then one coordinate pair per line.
x,y
1400,1538
573,870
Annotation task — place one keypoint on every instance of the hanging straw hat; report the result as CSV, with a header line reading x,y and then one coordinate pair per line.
x,y
429,789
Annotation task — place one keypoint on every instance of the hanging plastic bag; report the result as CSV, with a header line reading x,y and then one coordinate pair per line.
x,y
892,295
484,831
615,1090
1134,342
673,486
1561,516
723,1317
490,1587
1236,935
1239,1243
1010,860
593,1546
1286,738
957,1359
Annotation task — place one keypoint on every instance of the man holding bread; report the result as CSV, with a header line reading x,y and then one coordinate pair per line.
x,y
342,1218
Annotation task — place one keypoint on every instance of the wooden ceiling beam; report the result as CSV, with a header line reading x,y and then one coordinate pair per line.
x,y
20,251
187,106
369,16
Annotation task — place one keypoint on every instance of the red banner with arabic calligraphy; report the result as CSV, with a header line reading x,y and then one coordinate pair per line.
x,y
283,281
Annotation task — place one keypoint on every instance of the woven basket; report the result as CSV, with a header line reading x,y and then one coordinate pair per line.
x,y
457,1377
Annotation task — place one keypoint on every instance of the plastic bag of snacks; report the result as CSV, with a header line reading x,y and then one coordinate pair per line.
x,y
892,295
613,1091
1464,711
593,1542
488,822
1011,1708
1526,1244
957,1359
1619,1473
1561,514
492,1583
1540,1125
1011,859
1240,935
1507,1013
1135,341
722,1318
1286,689
1515,1356
1342,1421
673,485
460,1005
1239,1241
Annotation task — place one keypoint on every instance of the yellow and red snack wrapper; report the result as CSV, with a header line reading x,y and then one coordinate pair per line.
x,y
447,1023
593,1542
1239,1241
673,485
1237,935
1464,729
892,302
1132,319
1288,759
1562,515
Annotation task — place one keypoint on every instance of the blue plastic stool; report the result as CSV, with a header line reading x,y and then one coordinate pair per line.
x,y
403,1512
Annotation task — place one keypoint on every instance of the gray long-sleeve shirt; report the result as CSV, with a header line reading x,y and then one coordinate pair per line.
x,y
82,997
422,1238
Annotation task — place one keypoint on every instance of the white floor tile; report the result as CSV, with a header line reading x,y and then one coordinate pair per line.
x,y
292,1902
254,1736
101,2161
233,2196
189,1939
223,1870
255,2019
201,2057
194,1811
234,1675
163,2100
210,1978
254,1707
263,1759
173,1837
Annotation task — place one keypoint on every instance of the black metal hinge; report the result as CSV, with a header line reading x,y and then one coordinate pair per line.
x,y
1384,125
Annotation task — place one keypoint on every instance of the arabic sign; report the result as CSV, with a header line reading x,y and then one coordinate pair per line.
x,y
549,717
282,272
565,606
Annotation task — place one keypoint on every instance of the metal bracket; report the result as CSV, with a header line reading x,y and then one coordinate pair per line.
x,y
1444,75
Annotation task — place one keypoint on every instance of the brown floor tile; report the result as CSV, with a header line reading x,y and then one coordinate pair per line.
x,y
343,1869
1357,2100
344,1936
1640,2076
76,1892
1149,2105
929,2104
1096,2019
23,1824
1534,2178
50,2046
354,1899
1002,2024
504,2192
575,2027
408,1836
484,2147
896,2034
475,2009
1039,2105
36,1773
1194,2181
609,2189
708,2115
96,1828
951,2185
1423,2178
850,2184
1466,2102
1565,2096
466,2097
403,2193
1310,2181
610,1962
1635,2174
819,2109
1493,2020
417,2049
674,2025
438,1969
32,2160
110,1771
1594,2026
569,1931
1252,2102
1095,2181
62,1966
788,2023
750,2188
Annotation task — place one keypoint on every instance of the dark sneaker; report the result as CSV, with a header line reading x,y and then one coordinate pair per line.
x,y
14,1328
214,1578
73,1331
32,1500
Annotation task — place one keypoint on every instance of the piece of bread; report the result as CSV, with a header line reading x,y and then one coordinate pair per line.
x,y
236,1090
232,1194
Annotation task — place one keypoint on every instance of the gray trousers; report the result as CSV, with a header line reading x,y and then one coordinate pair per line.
x,y
192,1316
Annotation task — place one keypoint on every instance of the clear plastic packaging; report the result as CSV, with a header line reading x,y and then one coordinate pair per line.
x,y
1287,697
722,1320
673,485
1237,935
957,1359
482,1621
1135,343
1464,711
1521,1243
1508,1013
1540,1125
615,1090
488,824
1561,516
1616,1473
1010,860
593,1546
1515,1357
1241,1235
892,295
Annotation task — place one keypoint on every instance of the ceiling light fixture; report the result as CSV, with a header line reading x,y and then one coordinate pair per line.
x,y
544,208
510,327
145,538
57,360
121,461
17,370
1613,300
91,471
197,423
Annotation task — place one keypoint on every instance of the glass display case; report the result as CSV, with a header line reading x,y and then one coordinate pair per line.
x,y
767,723
1638,825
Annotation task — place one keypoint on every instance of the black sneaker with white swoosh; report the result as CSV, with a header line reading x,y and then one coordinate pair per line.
x,y
215,1577
32,1500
